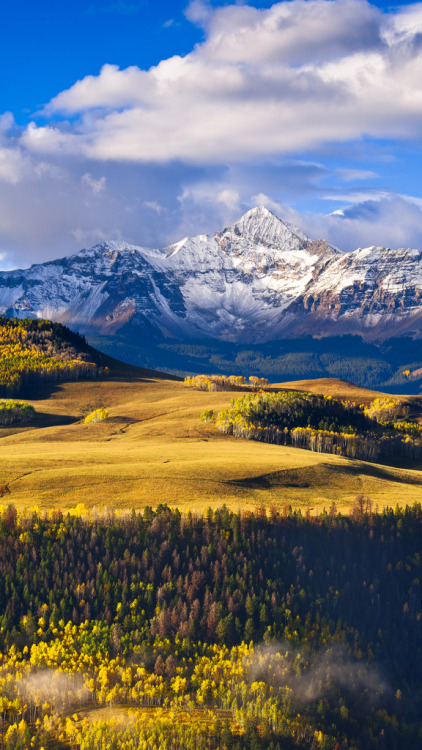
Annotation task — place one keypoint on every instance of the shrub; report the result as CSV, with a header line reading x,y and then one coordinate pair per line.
x,y
99,415
208,416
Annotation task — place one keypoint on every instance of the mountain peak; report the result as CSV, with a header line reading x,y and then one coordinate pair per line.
x,y
261,212
260,226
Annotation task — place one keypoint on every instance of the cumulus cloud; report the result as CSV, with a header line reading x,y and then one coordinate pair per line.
x,y
188,145
13,165
378,219
263,82
291,33
57,208
199,12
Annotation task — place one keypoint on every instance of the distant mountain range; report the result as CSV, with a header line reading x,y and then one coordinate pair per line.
x,y
256,282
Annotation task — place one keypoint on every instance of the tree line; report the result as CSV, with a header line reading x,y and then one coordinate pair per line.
x,y
224,383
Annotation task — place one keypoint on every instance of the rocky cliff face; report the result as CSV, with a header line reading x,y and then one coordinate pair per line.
x,y
258,280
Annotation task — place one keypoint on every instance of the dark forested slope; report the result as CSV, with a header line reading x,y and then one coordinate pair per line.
x,y
158,606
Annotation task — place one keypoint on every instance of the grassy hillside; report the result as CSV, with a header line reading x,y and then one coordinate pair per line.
x,y
155,449
331,387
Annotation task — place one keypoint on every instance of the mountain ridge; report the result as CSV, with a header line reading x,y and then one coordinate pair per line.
x,y
260,279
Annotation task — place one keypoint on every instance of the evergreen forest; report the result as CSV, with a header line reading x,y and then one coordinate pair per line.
x,y
163,630
394,366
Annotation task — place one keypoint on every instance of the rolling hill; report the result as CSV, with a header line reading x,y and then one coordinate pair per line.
x,y
154,449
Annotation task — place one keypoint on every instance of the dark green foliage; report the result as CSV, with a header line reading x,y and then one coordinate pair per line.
x,y
319,423
295,409
305,357
330,573
350,583
57,333
15,411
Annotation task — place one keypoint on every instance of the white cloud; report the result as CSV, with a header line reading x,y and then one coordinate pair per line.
x,y
350,175
229,198
384,219
97,186
264,82
199,12
112,88
16,165
187,146
7,123
13,165
292,33
405,25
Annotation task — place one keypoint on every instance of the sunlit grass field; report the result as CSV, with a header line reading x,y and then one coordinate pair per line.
x,y
155,449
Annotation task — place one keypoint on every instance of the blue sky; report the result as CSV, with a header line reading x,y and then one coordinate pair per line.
x,y
146,121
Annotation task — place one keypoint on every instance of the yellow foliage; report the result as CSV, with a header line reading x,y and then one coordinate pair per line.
x,y
99,415
223,383
25,356
385,409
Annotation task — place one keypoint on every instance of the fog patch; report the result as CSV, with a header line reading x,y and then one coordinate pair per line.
x,y
53,687
312,676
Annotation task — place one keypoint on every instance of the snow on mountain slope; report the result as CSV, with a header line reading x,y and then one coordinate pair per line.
x,y
257,280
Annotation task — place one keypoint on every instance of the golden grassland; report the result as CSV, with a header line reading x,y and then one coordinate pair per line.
x,y
154,449
332,387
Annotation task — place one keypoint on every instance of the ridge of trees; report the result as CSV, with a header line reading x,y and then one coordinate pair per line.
x,y
39,350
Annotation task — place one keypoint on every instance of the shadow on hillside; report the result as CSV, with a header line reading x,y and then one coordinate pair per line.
x,y
324,474
40,421
38,391
45,419
130,374
44,391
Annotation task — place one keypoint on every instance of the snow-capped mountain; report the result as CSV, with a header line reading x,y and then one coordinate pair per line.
x,y
258,280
